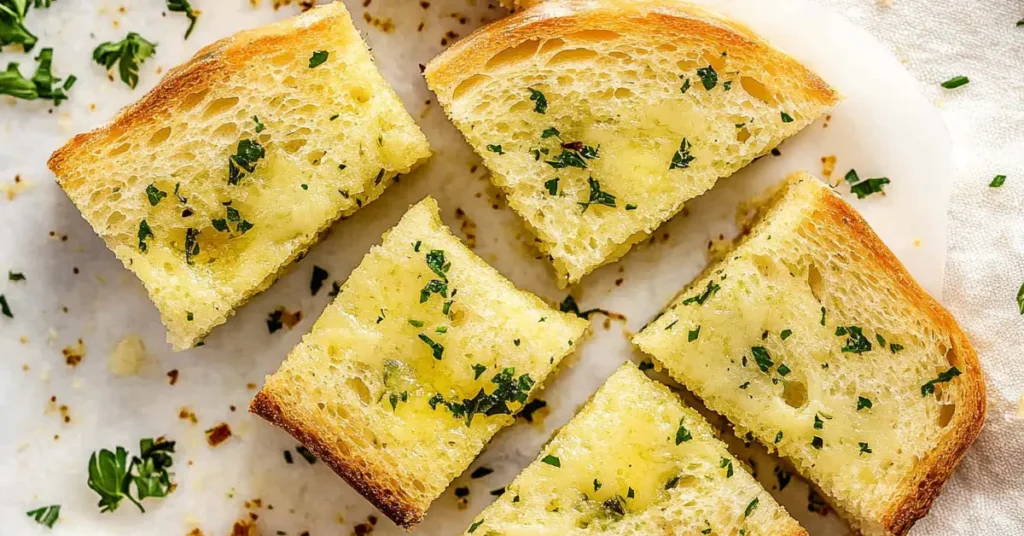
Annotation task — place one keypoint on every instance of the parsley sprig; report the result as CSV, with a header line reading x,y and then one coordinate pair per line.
x,y
42,85
128,54
183,6
111,475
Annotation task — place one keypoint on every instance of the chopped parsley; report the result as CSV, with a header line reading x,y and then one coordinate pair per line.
x,y
416,245
1020,300
863,403
183,6
686,85
15,276
682,434
191,245
249,152
597,484
569,305
550,132
783,369
818,423
12,23
708,77
567,159
693,334
474,526
956,82
727,465
630,206
481,472
762,358
598,196
395,398
46,515
893,347
943,377
864,448
856,342
823,315
699,299
318,58
233,216
670,326
155,195
495,149
144,233
306,454
682,158
784,334
672,482
434,286
478,370
128,54
111,475
42,85
509,390
997,181
727,85
852,177
260,127
552,460
541,102
438,264
552,186
744,385
778,437
416,323
786,118
817,442
317,281
751,507
436,348
870,186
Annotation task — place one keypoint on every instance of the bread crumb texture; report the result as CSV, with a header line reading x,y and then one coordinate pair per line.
x,y
426,352
635,460
600,119
811,336
233,165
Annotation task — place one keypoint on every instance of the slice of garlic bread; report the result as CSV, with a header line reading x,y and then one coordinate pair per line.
x,y
812,336
635,461
232,166
426,352
599,119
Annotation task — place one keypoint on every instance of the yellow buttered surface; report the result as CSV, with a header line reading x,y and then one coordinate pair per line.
x,y
634,461
425,354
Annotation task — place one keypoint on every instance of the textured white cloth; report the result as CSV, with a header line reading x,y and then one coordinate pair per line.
x,y
939,39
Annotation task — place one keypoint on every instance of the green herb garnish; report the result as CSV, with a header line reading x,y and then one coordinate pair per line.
x,y
260,127
727,465
567,159
154,194
863,403
856,342
708,77
870,186
128,53
495,149
597,196
864,448
111,475
762,358
478,370
783,370
786,118
46,515
15,276
997,181
682,434
191,245
956,82
672,482
144,233
244,160
550,132
750,508
693,334
317,280
784,334
944,377
552,186
682,158
318,58
438,264
699,299
43,84
817,442
552,460
183,6
541,101
436,348
474,526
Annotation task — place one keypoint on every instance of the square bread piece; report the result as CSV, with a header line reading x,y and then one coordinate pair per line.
x,y
424,355
635,461
813,337
600,119
235,163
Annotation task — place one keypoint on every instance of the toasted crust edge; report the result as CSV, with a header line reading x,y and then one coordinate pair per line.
x,y
403,514
916,496
639,17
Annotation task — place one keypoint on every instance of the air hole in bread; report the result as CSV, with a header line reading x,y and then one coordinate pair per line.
x,y
687,66
551,45
468,84
159,136
757,90
946,412
795,394
293,146
572,55
225,132
687,481
115,219
360,388
742,134
193,100
281,60
120,149
815,282
715,60
520,52
360,94
219,106
315,157
594,35
419,486
623,93
951,356
764,265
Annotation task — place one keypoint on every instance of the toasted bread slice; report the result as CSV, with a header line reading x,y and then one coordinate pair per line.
x,y
635,461
599,119
230,168
813,337
426,352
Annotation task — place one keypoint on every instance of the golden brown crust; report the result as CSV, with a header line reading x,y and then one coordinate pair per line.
x,y
659,20
353,471
917,495
209,67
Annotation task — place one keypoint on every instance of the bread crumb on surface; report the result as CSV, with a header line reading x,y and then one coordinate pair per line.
x,y
172,376
218,434
128,356
828,166
74,354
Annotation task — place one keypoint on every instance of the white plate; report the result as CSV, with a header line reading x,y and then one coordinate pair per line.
x,y
883,127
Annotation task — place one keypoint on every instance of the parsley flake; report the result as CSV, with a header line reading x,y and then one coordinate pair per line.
x,y
46,515
751,507
786,118
495,149
763,359
144,233
943,377
699,299
682,434
682,158
478,370
552,186
863,403
956,82
997,181
552,461
541,101
436,348
598,196
318,58
708,77
727,465
183,6
155,195
128,54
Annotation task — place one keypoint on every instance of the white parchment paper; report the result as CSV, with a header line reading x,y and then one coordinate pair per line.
x,y
76,289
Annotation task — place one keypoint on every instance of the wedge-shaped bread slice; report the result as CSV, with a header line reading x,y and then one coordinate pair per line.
x,y
599,119
814,338
236,161
426,352
635,461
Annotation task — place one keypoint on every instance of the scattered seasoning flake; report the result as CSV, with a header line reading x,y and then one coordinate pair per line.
x,y
682,434
786,118
870,186
436,348
474,526
218,434
763,359
306,454
478,370
997,181
708,77
751,507
317,281
727,465
943,377
552,186
183,6
682,158
817,442
956,82
778,437
630,206
15,276
597,196
699,299
155,195
863,403
481,472
4,308
495,149
784,334
552,460
671,483
1020,301
144,233
686,84
783,369
550,132
46,515
693,334
318,58
864,448
541,101
288,457
128,53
